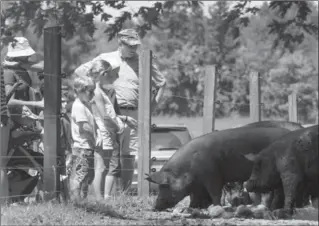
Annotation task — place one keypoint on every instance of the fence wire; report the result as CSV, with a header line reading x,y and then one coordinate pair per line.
x,y
60,164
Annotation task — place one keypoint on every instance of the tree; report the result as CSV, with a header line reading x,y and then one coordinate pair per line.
x,y
73,15
282,69
284,22
178,44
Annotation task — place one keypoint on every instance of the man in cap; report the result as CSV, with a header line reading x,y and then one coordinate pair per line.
x,y
127,85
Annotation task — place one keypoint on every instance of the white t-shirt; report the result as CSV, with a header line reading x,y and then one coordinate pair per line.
x,y
81,113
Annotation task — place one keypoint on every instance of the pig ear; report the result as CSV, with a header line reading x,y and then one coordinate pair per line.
x,y
250,157
157,178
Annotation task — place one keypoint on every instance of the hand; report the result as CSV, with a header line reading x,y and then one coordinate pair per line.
x,y
99,141
39,104
131,122
110,124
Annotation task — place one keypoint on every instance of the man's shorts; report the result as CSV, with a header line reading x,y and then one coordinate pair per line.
x,y
82,167
129,138
109,160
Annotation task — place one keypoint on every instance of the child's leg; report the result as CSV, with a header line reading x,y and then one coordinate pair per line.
x,y
88,167
99,173
113,172
82,171
74,180
69,159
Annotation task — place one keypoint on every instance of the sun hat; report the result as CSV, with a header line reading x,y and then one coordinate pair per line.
x,y
20,47
129,37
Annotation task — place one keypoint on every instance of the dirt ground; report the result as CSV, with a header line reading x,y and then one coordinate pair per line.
x,y
127,210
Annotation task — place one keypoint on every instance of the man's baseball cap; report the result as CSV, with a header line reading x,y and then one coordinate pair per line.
x,y
129,37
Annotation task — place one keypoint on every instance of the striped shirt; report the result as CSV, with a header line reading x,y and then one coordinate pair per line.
x,y
4,107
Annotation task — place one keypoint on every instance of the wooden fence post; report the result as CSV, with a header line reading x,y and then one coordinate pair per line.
x,y
316,107
209,99
52,107
293,108
144,122
255,97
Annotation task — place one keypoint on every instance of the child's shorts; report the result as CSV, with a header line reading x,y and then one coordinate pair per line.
x,y
82,166
109,160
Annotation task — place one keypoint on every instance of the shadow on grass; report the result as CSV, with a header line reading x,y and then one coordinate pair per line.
x,y
99,207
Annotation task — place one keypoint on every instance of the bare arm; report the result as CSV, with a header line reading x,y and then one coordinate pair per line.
x,y
159,82
160,94
102,107
16,102
13,89
87,131
37,67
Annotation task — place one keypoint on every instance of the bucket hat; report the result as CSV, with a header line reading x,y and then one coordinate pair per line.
x,y
20,47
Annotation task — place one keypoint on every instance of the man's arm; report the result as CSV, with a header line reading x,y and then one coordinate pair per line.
x,y
159,83
160,93
116,107
37,67
12,91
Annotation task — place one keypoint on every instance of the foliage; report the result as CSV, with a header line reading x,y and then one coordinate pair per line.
x,y
279,40
73,15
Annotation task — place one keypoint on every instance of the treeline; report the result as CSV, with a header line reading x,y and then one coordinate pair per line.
x,y
185,40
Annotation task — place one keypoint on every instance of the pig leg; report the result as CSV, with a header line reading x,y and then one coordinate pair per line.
x,y
214,187
278,198
303,199
200,198
291,185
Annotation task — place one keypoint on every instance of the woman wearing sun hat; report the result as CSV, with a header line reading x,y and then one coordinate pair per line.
x,y
19,52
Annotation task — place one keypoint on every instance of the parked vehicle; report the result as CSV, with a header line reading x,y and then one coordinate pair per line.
x,y
165,141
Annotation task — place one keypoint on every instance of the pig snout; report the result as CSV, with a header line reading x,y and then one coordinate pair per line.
x,y
241,199
162,204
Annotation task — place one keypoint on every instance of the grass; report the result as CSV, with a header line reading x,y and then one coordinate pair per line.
x,y
124,210
132,210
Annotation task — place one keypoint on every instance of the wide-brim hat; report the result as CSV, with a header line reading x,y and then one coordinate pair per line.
x,y
129,37
20,47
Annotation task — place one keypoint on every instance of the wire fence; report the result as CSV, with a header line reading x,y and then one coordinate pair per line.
x,y
38,163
